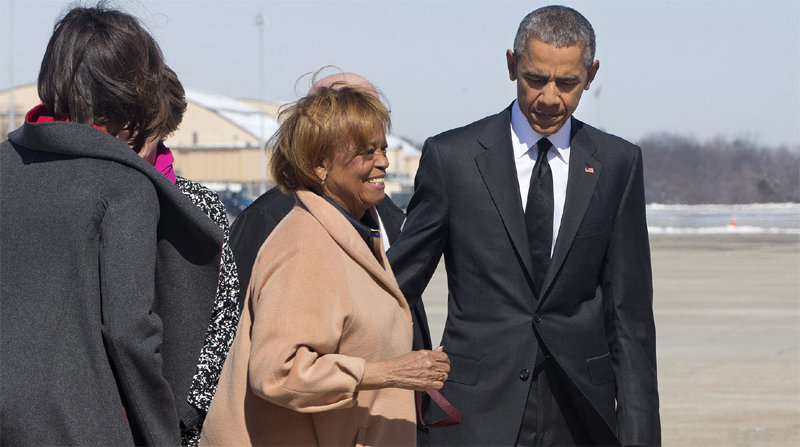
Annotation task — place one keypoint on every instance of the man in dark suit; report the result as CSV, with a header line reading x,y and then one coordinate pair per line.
x,y
541,220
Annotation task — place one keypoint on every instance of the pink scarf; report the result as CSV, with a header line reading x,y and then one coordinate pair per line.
x,y
164,160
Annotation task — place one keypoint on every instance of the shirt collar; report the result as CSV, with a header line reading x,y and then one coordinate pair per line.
x,y
524,137
363,230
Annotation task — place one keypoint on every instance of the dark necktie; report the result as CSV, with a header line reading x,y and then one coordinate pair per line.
x,y
539,213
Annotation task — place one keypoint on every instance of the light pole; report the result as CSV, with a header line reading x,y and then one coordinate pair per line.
x,y
260,22
11,117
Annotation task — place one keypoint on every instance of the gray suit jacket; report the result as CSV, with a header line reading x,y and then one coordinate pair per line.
x,y
594,315
107,284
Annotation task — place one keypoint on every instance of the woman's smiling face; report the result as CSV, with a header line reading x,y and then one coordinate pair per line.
x,y
354,177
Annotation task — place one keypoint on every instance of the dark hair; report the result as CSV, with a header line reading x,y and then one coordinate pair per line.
x,y
101,67
558,26
176,99
340,117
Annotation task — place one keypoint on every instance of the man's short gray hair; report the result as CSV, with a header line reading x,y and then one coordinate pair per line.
x,y
558,26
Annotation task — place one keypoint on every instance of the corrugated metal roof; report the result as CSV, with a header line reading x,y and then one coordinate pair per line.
x,y
249,118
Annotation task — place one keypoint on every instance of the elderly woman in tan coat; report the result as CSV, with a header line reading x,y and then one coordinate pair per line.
x,y
323,351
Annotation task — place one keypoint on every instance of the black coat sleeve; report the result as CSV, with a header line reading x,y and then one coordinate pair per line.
x,y
250,230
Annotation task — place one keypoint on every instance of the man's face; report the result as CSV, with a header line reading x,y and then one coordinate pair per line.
x,y
550,82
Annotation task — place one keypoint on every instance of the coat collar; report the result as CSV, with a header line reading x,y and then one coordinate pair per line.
x,y
81,140
343,233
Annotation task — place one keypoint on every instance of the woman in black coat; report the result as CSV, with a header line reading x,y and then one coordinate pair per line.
x,y
108,271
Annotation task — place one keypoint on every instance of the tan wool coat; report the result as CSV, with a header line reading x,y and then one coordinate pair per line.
x,y
319,306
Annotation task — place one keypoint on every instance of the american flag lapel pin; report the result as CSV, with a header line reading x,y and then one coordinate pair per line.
x,y
588,170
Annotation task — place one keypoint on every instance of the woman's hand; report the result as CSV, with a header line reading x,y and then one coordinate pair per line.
x,y
417,370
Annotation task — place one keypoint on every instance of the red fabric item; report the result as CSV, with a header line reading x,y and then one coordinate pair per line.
x,y
40,114
453,415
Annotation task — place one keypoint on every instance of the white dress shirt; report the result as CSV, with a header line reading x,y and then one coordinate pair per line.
x,y
382,229
523,141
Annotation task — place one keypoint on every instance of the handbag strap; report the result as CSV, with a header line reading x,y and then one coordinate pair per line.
x,y
453,415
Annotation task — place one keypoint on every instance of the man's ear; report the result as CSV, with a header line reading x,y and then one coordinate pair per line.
x,y
511,60
591,73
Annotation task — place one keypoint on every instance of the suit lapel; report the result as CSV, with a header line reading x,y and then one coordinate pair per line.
x,y
499,173
584,171
391,218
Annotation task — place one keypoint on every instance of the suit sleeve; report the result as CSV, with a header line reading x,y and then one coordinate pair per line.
x,y
251,229
131,331
300,311
248,232
416,253
628,294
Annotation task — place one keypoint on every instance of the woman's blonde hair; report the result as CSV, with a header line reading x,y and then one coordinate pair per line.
x,y
313,128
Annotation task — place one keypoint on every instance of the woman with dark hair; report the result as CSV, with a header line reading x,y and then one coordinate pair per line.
x,y
109,272
322,355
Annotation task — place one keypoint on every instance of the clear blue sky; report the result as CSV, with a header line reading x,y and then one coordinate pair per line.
x,y
697,68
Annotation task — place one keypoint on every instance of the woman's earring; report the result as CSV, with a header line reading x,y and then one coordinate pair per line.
x,y
324,176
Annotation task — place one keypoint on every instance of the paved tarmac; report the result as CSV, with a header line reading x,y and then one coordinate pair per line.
x,y
727,313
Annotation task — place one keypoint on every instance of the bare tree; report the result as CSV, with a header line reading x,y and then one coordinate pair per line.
x,y
678,169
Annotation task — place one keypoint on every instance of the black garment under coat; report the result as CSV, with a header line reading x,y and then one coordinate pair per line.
x,y
107,279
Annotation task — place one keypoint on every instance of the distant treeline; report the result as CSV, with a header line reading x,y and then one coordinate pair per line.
x,y
680,170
